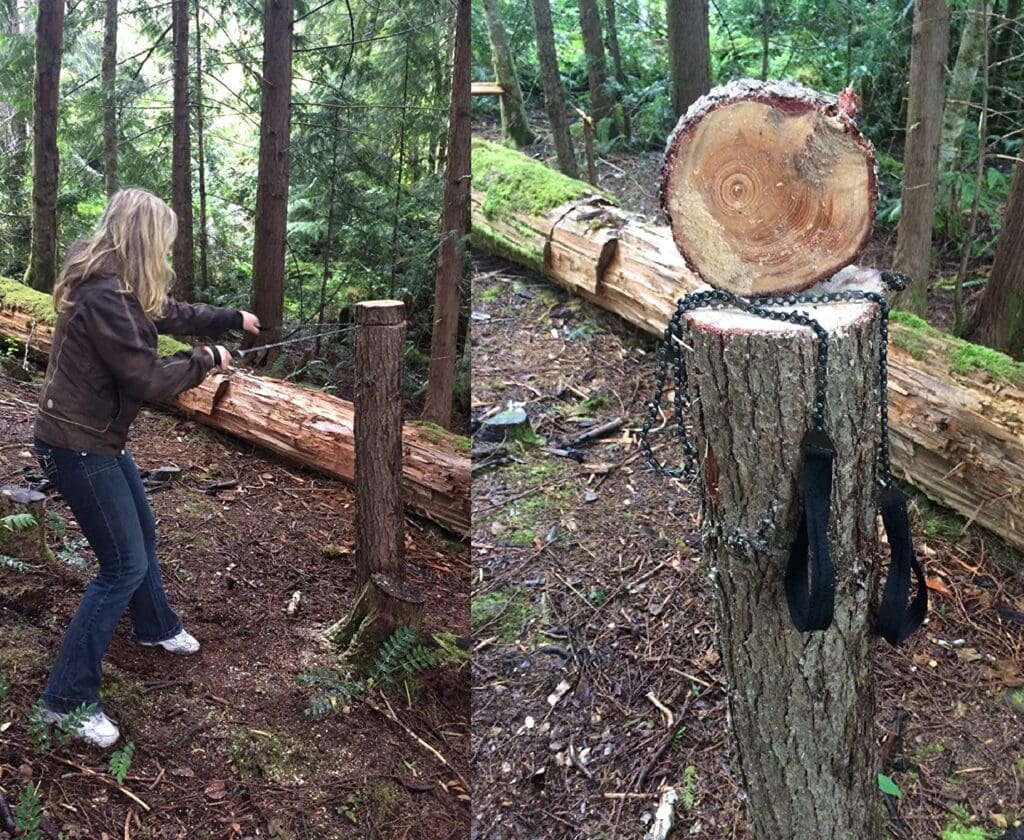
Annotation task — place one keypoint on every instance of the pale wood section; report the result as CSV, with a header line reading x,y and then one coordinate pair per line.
x,y
310,428
486,89
769,188
958,437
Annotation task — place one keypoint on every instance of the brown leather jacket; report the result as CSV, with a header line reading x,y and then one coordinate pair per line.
x,y
104,364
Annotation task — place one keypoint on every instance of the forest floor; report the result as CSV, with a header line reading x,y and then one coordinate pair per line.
x,y
223,747
592,608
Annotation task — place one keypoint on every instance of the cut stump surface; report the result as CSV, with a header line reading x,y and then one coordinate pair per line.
x,y
769,187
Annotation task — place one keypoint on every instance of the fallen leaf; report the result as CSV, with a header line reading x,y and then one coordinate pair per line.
x,y
215,790
936,585
967,654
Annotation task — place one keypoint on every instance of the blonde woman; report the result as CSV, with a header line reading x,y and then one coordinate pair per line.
x,y
111,300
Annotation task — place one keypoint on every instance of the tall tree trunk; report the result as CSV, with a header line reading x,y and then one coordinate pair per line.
x,y
766,33
183,254
329,240
454,228
602,105
395,256
958,98
689,55
998,320
513,113
554,97
616,53
272,191
110,97
204,272
929,48
42,266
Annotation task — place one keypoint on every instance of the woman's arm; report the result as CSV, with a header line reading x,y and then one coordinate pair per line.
x,y
198,319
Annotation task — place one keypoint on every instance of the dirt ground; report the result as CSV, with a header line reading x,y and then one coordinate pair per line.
x,y
592,610
223,747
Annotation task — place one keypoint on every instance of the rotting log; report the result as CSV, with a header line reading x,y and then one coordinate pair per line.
x,y
956,409
806,753
302,425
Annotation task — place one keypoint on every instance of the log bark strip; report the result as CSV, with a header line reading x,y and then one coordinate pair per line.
x,y
956,409
307,427
806,754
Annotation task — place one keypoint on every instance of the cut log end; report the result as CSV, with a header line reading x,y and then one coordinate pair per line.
x,y
768,188
835,319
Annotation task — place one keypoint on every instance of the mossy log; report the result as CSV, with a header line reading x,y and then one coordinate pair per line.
x,y
25,544
956,409
305,426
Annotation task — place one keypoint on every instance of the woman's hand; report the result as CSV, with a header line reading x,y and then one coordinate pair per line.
x,y
225,357
250,323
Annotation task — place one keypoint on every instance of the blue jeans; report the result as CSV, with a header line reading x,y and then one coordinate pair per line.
x,y
106,495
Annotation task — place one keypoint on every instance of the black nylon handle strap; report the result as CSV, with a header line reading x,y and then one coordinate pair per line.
x,y
896,619
812,602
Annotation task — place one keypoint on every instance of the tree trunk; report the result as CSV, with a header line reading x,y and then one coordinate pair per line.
x,y
204,247
303,426
806,754
554,97
183,253
769,187
961,85
272,191
616,54
689,56
929,47
42,267
513,113
998,320
955,408
386,602
396,257
451,260
602,105
109,72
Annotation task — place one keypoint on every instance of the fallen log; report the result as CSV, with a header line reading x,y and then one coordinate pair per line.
x,y
305,426
956,409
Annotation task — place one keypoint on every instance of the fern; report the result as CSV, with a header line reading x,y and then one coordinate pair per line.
x,y
400,655
28,813
14,564
18,522
121,762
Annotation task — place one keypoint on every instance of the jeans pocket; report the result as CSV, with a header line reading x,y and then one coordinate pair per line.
x,y
93,465
44,455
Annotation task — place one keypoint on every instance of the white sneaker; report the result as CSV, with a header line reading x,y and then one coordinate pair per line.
x,y
97,729
183,644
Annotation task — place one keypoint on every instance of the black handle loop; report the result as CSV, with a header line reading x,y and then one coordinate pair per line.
x,y
812,602
896,619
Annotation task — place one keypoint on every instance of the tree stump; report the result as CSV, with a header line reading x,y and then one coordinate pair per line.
x,y
27,545
385,601
801,706
769,185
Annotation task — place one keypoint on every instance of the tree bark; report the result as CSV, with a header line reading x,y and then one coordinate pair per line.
x,y
386,601
272,191
109,72
689,56
805,753
304,426
998,320
769,187
956,426
554,97
451,258
204,247
602,105
183,253
929,47
958,99
513,113
42,267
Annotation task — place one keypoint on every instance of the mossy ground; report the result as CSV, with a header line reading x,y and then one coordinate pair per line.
x,y
270,756
507,614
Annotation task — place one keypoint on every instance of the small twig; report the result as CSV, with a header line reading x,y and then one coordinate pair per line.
x,y
661,707
664,744
88,771
598,431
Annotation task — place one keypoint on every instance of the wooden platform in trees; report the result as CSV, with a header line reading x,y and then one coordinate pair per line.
x,y
956,409
305,426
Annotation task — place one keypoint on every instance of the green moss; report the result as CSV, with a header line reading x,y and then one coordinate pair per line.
x,y
440,436
487,239
122,690
490,294
256,754
512,182
505,614
911,321
15,295
966,356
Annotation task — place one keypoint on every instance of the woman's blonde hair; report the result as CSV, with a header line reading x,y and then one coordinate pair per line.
x,y
133,237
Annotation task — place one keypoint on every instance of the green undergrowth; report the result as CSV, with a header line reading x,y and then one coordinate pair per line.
x,y
508,614
963,356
